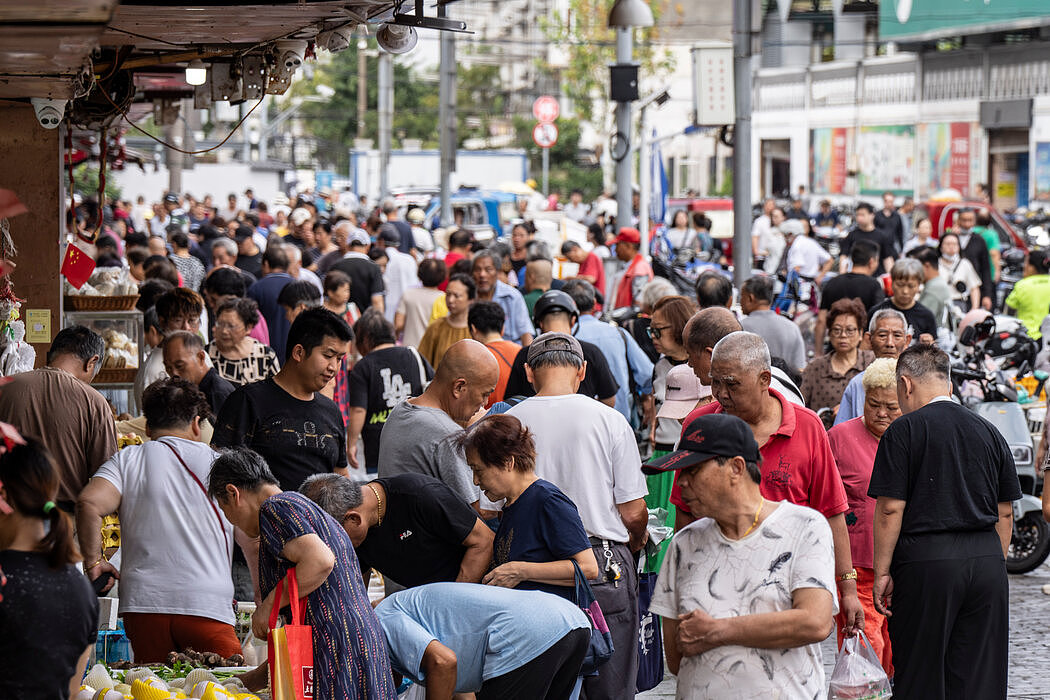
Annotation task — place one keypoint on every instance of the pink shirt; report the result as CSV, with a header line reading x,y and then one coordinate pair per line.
x,y
262,333
854,448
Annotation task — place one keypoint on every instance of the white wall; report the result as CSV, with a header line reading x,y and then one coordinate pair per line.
x,y
216,179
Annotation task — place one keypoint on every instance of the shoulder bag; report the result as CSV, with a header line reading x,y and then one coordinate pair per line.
x,y
600,650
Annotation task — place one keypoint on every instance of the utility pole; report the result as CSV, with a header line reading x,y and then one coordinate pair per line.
x,y
447,118
624,51
386,119
362,87
742,254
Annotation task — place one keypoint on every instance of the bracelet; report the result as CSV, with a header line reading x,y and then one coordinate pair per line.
x,y
89,567
850,575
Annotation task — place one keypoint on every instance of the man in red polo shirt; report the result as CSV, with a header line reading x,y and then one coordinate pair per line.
x,y
797,463
638,272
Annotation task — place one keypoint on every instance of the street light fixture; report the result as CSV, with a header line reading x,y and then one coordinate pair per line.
x,y
630,13
196,72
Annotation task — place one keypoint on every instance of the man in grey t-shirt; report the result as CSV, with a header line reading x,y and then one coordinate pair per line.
x,y
419,433
782,336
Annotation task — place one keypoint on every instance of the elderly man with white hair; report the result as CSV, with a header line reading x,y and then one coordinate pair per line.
x,y
797,463
300,273
888,336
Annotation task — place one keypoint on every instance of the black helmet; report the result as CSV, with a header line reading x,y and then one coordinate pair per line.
x,y
553,300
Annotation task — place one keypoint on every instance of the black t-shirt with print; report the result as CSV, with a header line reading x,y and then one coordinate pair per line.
x,y
598,381
381,380
296,438
421,537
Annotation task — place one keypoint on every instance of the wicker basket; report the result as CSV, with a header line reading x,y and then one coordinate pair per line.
x,y
93,303
109,375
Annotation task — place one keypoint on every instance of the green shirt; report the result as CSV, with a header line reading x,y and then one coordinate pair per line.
x,y
1031,299
991,240
531,298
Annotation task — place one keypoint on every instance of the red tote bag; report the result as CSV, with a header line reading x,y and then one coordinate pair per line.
x,y
290,649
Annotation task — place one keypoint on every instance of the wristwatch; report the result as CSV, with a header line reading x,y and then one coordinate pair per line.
x,y
850,575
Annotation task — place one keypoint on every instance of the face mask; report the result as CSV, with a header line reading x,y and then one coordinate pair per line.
x,y
951,259
965,231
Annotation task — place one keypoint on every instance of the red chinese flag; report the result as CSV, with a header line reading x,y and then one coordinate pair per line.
x,y
77,266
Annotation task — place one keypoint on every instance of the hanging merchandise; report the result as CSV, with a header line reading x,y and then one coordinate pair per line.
x,y
16,355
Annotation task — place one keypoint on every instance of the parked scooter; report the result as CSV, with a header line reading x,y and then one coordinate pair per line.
x,y
980,382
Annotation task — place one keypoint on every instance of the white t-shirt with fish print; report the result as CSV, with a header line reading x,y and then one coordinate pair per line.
x,y
790,549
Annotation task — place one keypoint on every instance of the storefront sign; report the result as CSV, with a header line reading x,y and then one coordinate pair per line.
x,y
886,159
915,20
38,326
828,160
1042,170
949,157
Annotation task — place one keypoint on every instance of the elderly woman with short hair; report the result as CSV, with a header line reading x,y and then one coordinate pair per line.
x,y
854,444
239,358
825,378
350,656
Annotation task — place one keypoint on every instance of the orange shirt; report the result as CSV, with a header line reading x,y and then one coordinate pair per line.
x,y
504,351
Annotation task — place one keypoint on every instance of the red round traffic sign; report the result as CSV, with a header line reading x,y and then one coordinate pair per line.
x,y
545,135
546,109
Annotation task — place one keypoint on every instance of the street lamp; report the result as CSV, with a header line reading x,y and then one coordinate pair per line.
x,y
623,87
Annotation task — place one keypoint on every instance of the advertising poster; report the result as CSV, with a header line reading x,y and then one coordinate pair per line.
x,y
948,156
1042,170
886,159
828,160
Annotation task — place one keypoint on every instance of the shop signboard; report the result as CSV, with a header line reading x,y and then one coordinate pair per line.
x,y
828,160
1042,170
922,20
886,159
949,156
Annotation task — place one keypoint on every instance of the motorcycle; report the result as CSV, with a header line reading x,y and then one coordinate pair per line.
x,y
980,381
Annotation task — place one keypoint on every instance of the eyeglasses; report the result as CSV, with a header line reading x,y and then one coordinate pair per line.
x,y
656,331
229,327
843,332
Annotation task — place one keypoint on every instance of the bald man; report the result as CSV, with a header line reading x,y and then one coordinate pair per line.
x,y
417,437
702,333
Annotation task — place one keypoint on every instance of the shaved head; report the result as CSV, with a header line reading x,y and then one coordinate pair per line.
x,y
709,326
469,360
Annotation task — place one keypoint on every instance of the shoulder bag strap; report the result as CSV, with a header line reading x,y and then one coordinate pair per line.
x,y
422,370
214,508
501,356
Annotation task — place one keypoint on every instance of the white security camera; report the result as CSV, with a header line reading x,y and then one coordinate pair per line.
x,y
291,53
49,112
336,40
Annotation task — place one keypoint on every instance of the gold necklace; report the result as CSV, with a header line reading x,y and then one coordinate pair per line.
x,y
379,502
755,521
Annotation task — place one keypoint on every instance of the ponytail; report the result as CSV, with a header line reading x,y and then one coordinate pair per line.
x,y
31,480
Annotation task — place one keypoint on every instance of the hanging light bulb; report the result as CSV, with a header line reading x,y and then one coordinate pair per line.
x,y
196,72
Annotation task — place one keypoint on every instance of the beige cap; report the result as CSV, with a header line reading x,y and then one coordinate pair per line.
x,y
683,392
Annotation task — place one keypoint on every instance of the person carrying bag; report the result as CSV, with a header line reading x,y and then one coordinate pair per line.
x,y
600,650
291,647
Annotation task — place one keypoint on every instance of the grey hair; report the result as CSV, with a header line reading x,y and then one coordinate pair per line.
x,y
239,467
656,290
335,494
227,244
923,362
295,254
886,313
907,269
556,358
746,348
494,256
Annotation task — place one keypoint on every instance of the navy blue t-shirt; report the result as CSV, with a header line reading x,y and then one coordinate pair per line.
x,y
543,525
265,293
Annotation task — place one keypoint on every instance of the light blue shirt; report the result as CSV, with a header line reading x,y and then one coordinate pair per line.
x,y
852,404
492,630
517,322
624,356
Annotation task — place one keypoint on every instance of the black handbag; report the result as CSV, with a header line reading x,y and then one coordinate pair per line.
x,y
601,648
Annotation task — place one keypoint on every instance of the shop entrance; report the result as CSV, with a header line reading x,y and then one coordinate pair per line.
x,y
1008,168
776,168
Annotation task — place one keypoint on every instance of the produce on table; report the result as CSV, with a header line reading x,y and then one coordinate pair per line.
x,y
162,683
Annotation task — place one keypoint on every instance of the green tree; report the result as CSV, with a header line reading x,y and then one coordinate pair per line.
x,y
85,183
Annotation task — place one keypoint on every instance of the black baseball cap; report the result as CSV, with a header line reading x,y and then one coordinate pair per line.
x,y
706,437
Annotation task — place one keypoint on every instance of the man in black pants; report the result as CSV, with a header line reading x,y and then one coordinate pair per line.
x,y
944,478
501,643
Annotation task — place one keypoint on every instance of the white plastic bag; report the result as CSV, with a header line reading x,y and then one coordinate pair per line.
x,y
858,675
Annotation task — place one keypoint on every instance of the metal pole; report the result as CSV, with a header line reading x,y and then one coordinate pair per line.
x,y
645,184
386,119
264,133
546,170
742,142
624,51
362,87
447,119
246,144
